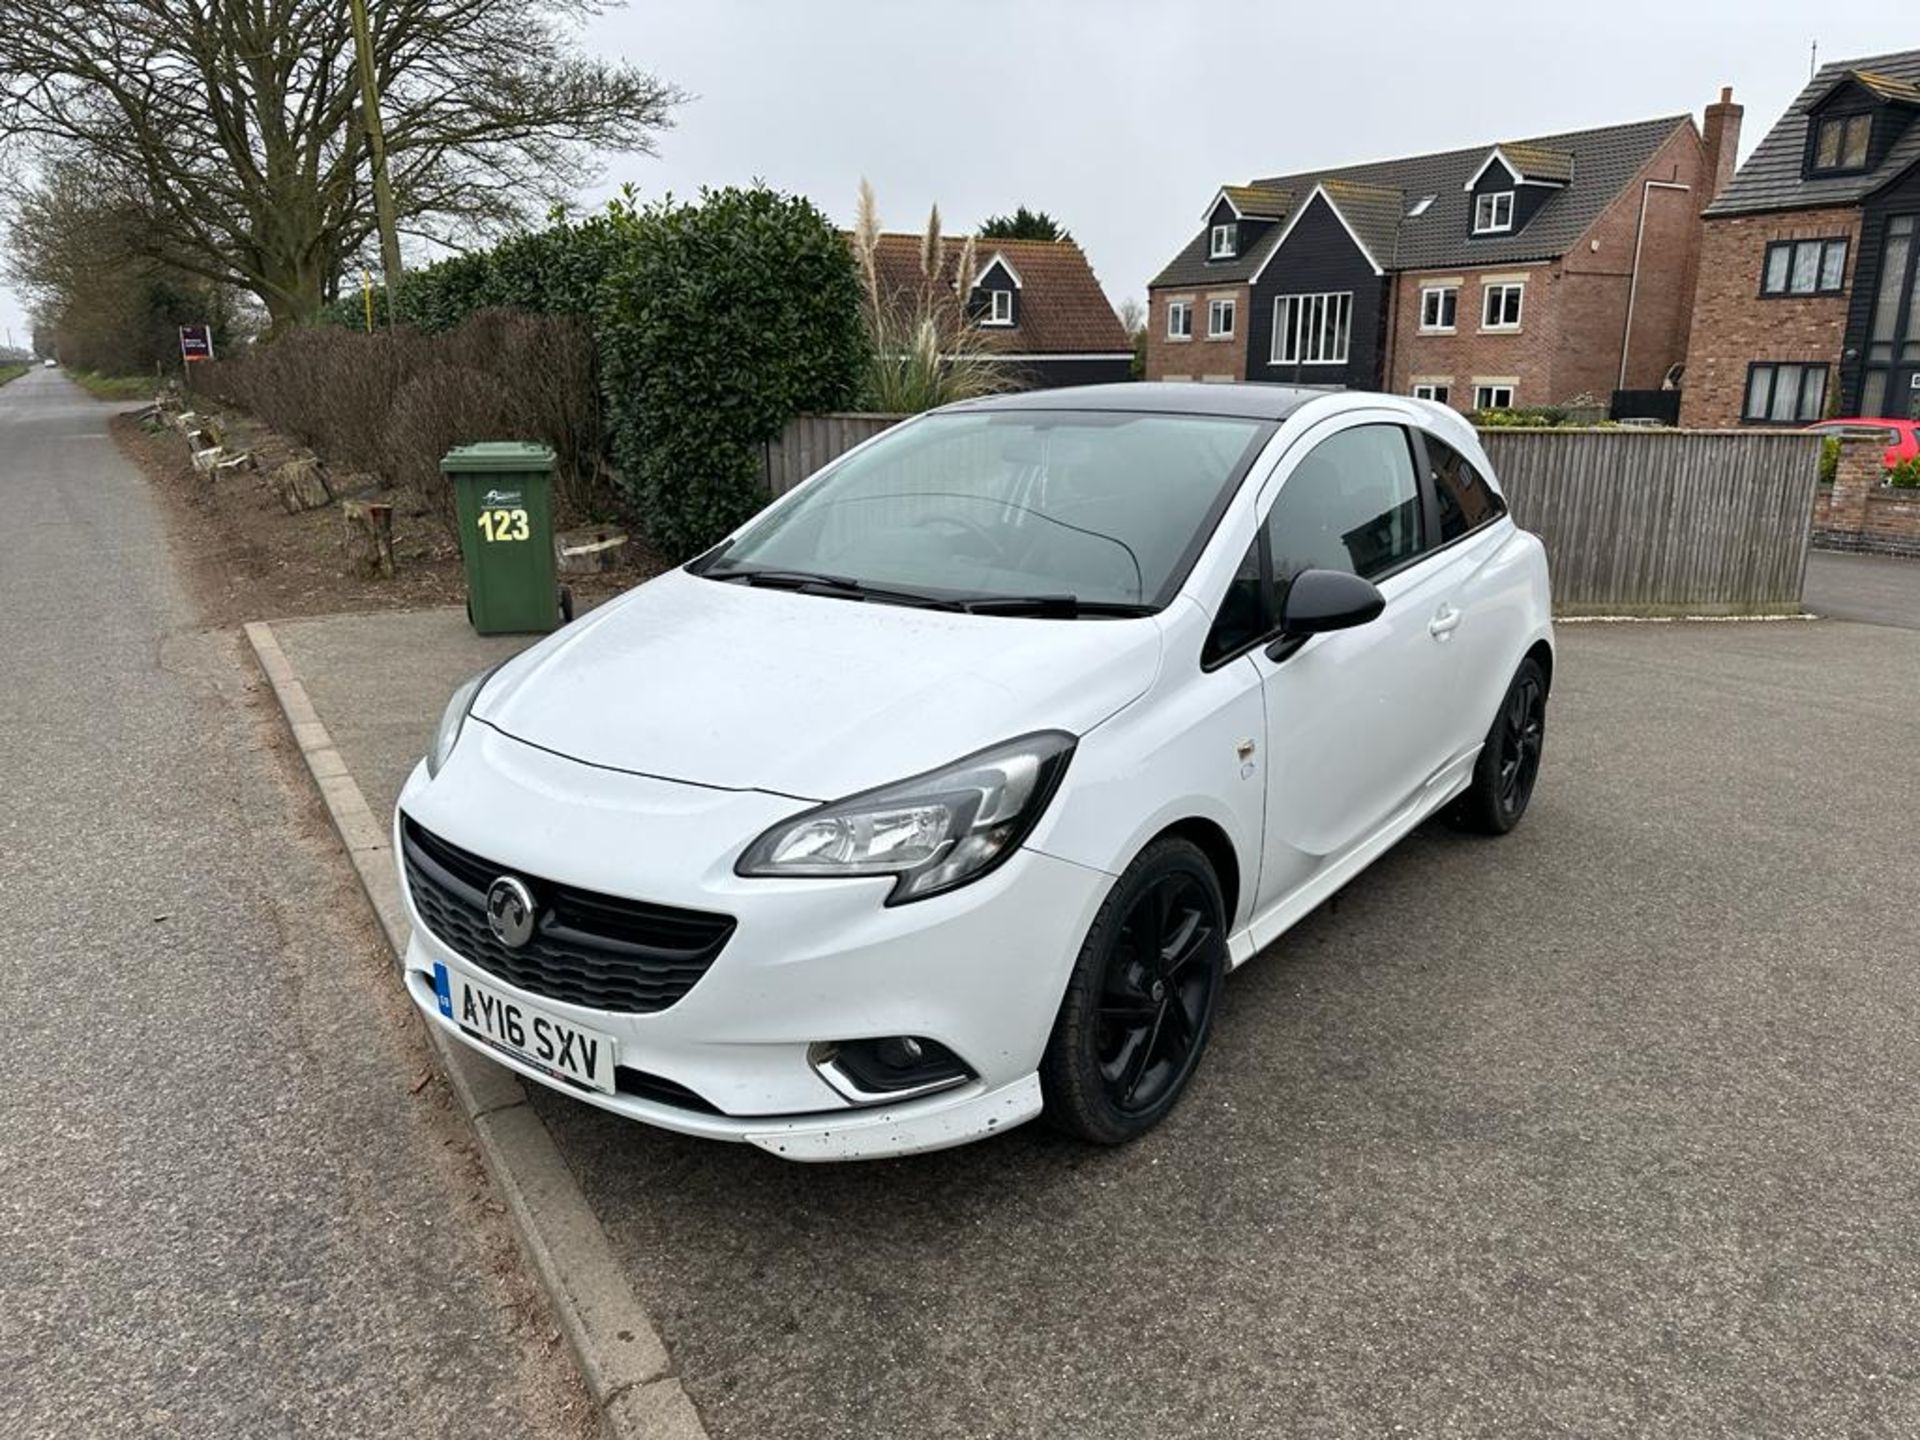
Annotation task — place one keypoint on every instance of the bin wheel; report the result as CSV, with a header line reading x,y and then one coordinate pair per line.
x,y
566,604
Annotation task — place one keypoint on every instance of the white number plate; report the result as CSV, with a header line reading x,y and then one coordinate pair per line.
x,y
526,1032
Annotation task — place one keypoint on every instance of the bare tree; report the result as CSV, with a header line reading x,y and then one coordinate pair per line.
x,y
100,303
233,130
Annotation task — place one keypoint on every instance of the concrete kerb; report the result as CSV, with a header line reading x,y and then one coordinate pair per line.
x,y
614,1342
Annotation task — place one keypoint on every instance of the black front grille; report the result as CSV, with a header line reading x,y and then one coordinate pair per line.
x,y
587,949
642,1086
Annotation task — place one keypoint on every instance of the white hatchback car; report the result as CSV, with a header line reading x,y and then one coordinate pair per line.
x,y
948,789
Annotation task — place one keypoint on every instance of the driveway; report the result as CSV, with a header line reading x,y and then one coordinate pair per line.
x,y
1609,1128
1880,589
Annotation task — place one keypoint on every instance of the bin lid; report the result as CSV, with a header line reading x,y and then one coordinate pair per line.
x,y
497,457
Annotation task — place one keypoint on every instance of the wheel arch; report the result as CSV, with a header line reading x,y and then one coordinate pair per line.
x,y
1213,842
1541,653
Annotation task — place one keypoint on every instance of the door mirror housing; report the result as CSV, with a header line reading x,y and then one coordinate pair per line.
x,y
1322,600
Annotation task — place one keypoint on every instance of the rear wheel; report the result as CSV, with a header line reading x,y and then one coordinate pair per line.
x,y
1140,1004
1510,760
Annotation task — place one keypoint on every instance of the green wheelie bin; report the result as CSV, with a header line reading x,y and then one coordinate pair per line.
x,y
503,497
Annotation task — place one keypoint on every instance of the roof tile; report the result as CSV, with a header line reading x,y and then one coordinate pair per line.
x,y
1772,179
1062,309
1376,199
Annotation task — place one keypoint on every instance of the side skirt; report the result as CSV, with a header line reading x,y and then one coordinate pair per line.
x,y
1290,909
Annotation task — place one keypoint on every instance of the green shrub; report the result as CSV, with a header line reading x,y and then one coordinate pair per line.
x,y
1905,475
717,323
711,324
555,271
1829,459
1534,417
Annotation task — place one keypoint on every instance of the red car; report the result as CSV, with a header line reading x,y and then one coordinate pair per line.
x,y
1903,436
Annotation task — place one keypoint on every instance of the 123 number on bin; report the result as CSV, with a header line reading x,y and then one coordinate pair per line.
x,y
504,525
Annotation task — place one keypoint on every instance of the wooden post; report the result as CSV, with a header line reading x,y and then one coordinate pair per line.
x,y
377,153
369,527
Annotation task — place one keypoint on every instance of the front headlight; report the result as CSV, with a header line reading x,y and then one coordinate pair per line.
x,y
934,832
455,716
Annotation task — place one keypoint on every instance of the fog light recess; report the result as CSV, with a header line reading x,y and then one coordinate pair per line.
x,y
892,1067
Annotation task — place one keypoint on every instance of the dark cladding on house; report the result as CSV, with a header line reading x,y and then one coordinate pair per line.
x,y
1809,301
1527,272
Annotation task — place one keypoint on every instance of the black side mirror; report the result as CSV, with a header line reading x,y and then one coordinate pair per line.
x,y
1322,600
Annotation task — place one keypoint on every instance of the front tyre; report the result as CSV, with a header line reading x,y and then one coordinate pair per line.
x,y
1510,760
1140,1002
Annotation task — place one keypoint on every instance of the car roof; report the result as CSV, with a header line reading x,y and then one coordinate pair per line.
x,y
1235,401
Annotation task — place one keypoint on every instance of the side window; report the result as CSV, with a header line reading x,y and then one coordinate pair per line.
x,y
1243,614
1467,501
1352,504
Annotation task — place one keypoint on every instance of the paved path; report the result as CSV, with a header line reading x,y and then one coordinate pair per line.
x,y
1880,589
224,1210
1610,1128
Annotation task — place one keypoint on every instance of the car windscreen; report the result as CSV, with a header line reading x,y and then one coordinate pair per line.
x,y
1111,508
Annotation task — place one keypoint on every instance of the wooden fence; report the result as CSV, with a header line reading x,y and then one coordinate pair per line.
x,y
810,441
1665,522
1635,521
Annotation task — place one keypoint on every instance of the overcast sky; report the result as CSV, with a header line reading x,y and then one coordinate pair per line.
x,y
1121,117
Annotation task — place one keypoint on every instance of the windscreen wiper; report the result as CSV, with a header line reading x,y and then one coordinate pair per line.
x,y
1052,607
809,582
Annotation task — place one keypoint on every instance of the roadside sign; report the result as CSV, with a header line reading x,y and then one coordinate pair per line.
x,y
196,343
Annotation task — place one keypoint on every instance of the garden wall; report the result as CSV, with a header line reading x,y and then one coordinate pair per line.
x,y
1860,511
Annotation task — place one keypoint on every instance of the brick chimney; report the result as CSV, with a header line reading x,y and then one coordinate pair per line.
x,y
1720,134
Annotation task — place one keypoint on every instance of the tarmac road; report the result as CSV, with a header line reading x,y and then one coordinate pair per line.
x,y
1880,589
1607,1128
233,1200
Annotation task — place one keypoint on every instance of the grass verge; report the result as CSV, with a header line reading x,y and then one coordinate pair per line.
x,y
114,387
12,372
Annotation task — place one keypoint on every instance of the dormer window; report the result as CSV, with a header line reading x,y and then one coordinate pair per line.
x,y
999,307
1224,242
1493,213
1841,143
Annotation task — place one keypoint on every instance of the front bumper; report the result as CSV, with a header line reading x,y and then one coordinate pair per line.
x,y
980,969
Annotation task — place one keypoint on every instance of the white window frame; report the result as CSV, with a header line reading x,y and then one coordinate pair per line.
x,y
1180,310
1224,241
1483,392
1424,390
998,300
1501,287
1217,306
1300,328
1436,328
1490,217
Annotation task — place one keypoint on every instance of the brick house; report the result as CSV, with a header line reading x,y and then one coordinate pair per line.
x,y
1040,302
1529,272
1807,303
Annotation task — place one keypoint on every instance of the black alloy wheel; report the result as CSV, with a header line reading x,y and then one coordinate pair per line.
x,y
1523,733
1509,763
1140,1004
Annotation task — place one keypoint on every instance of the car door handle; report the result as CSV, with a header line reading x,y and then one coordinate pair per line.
x,y
1445,621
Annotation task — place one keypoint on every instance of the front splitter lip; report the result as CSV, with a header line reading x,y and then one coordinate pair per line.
x,y
913,1127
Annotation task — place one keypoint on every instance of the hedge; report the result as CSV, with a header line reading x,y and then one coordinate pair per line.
x,y
717,323
713,324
